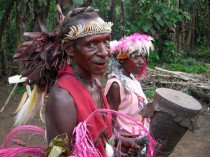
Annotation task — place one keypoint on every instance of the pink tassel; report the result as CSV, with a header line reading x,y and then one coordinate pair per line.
x,y
152,142
83,145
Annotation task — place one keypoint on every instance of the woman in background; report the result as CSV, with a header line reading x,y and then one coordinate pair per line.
x,y
123,90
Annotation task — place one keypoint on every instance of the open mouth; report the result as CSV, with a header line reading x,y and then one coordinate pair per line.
x,y
101,64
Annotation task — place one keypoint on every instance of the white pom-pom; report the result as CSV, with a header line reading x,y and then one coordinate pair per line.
x,y
109,150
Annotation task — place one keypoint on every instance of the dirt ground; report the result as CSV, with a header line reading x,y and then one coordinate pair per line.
x,y
195,144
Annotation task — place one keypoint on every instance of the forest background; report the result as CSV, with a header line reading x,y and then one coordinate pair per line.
x,y
181,32
180,28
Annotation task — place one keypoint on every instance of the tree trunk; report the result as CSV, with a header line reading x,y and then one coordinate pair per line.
x,y
208,26
122,17
20,24
136,9
198,24
5,18
188,43
4,22
191,35
112,14
200,95
181,31
4,63
208,23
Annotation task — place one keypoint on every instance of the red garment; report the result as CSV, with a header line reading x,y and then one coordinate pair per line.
x,y
97,126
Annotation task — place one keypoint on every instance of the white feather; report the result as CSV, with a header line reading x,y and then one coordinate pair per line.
x,y
109,150
28,109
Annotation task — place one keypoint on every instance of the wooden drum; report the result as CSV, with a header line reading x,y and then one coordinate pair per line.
x,y
172,113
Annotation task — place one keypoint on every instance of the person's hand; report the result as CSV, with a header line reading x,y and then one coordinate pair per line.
x,y
131,146
143,141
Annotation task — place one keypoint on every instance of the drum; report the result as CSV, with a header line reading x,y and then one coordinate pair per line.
x,y
172,113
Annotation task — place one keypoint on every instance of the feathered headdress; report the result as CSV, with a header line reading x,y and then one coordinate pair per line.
x,y
42,56
127,45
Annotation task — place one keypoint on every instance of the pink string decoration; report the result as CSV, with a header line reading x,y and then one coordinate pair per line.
x,y
84,146
13,145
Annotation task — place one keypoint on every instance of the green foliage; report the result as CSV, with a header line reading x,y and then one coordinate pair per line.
x,y
78,2
152,59
9,36
189,65
203,53
202,43
165,52
20,89
103,6
152,17
157,17
169,53
51,19
150,93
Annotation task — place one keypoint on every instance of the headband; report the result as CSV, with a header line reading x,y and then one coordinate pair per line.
x,y
89,29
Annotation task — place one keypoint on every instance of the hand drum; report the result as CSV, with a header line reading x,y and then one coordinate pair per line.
x,y
172,113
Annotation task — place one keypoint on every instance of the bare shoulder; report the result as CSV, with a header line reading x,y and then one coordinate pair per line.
x,y
60,113
60,100
114,88
113,96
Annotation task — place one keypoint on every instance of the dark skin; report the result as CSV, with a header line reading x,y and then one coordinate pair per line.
x,y
130,65
90,57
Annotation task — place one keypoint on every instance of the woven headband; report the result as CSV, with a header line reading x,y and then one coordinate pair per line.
x,y
89,29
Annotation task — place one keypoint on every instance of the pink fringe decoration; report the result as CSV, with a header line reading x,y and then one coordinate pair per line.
x,y
83,145
15,149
